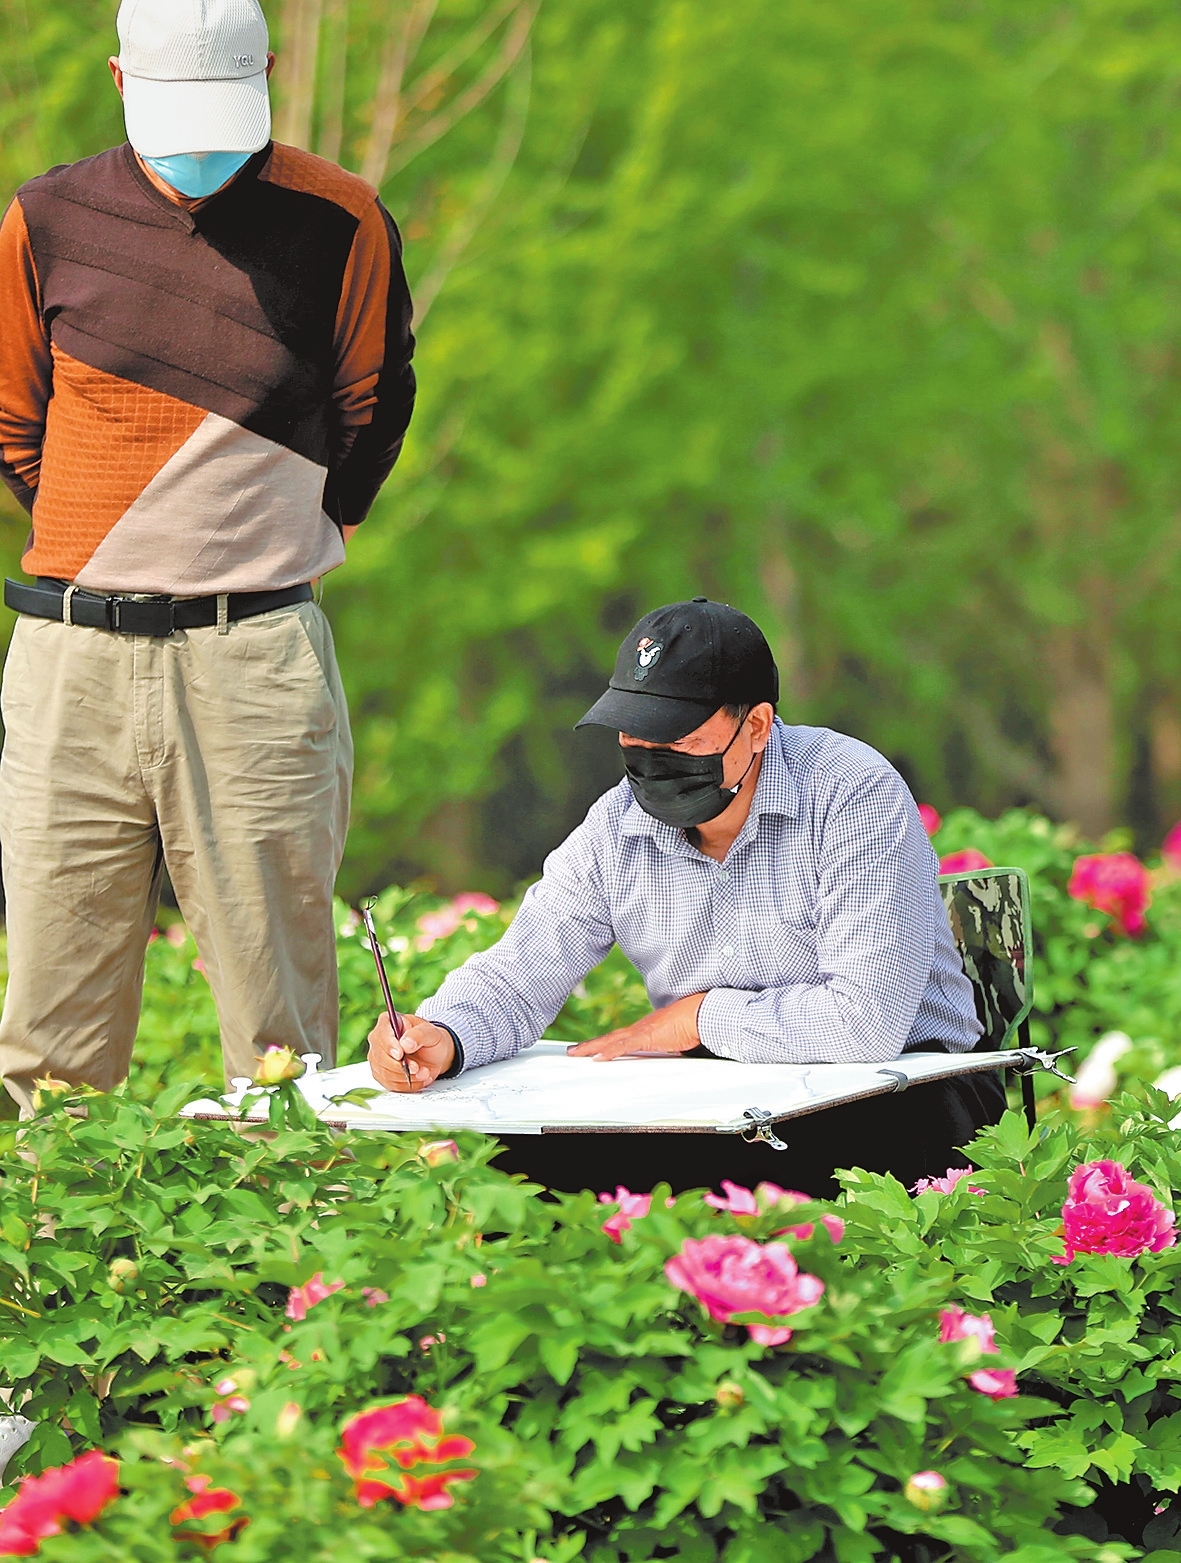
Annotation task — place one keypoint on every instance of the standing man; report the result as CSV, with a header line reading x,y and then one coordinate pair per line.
x,y
204,380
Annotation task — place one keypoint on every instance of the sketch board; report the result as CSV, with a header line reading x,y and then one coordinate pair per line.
x,y
543,1091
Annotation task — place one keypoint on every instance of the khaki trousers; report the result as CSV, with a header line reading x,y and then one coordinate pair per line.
x,y
225,755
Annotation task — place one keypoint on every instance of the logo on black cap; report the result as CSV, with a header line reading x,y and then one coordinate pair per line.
x,y
647,656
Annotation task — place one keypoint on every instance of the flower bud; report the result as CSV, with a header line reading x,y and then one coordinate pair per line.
x,y
927,1491
729,1395
278,1063
439,1151
288,1419
45,1090
121,1273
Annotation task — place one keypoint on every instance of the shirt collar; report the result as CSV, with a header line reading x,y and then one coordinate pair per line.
x,y
776,793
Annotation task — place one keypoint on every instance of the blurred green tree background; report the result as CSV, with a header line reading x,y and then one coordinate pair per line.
x,y
862,316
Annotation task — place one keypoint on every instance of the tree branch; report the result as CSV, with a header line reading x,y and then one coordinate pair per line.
x,y
504,155
439,124
399,52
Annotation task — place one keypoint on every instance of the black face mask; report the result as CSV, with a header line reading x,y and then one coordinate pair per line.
x,y
681,789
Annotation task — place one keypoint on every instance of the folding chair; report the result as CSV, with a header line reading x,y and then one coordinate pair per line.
x,y
989,913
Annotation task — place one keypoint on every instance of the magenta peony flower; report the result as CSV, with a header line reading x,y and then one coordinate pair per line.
x,y
945,1185
733,1274
965,862
1115,883
301,1298
955,1324
930,817
631,1208
395,1451
996,1383
1106,1212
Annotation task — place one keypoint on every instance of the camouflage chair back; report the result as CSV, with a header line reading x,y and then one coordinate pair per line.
x,y
989,912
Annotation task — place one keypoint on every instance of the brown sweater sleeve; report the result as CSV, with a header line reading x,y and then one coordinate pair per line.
x,y
374,383
26,368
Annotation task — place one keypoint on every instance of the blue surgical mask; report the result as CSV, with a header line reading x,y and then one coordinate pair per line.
x,y
198,173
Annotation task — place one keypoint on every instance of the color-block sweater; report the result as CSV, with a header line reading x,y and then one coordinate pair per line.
x,y
197,401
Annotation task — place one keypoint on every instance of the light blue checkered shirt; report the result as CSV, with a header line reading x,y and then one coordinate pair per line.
x,y
821,938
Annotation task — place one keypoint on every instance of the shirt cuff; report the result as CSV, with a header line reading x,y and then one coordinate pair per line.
x,y
720,1021
456,1066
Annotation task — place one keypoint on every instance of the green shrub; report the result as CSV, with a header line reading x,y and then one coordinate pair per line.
x,y
145,1259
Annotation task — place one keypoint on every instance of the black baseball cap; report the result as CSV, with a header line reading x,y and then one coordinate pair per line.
x,y
681,664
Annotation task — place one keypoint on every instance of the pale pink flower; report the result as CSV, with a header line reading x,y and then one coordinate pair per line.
x,y
833,1225
769,1335
946,1185
224,1409
199,965
732,1274
930,817
479,1279
1097,1078
966,861
374,1296
176,934
442,924
996,1383
427,1341
1107,1212
631,1208
1115,883
955,1324
1171,847
301,1298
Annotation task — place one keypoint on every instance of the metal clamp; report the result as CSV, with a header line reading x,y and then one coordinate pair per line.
x,y
760,1129
1034,1056
900,1080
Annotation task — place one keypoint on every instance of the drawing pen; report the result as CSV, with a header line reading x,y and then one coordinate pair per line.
x,y
395,1018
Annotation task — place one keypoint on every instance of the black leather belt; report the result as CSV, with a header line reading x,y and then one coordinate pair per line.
x,y
137,616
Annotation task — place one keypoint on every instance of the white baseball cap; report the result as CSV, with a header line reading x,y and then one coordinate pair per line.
x,y
194,76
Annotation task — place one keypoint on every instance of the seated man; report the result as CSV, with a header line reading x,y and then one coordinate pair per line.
x,y
776,889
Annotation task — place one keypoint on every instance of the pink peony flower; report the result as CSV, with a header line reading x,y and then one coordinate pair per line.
x,y
930,817
955,1324
739,1201
78,1491
965,862
408,1433
301,1298
946,1185
1115,883
1107,1212
631,1208
731,1275
996,1383
479,1279
374,1296
231,1405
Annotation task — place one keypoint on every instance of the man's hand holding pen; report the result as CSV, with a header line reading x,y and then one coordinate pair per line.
x,y
424,1050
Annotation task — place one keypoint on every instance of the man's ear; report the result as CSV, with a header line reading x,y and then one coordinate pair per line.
x,y
116,72
761,718
270,63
